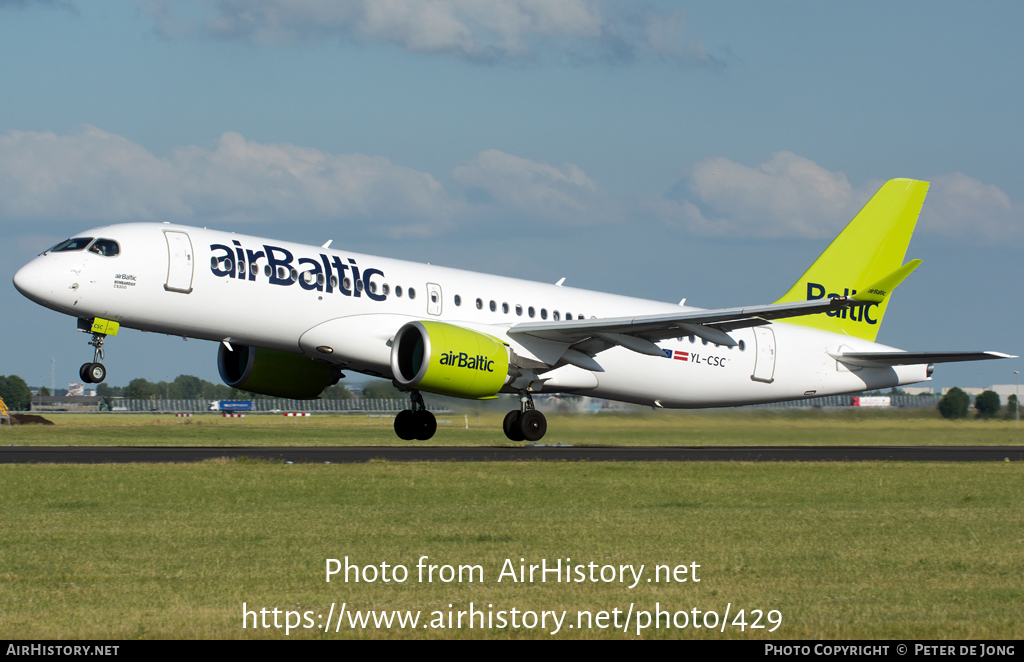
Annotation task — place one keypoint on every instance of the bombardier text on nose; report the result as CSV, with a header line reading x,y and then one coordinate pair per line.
x,y
289,318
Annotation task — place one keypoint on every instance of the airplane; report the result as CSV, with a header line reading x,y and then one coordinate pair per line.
x,y
289,318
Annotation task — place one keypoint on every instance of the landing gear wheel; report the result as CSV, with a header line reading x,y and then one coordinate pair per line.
x,y
424,424
532,425
405,425
511,426
97,373
83,373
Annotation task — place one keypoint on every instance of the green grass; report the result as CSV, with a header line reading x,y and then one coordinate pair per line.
x,y
717,428
843,550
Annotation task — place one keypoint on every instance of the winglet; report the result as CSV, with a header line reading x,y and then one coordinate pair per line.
x,y
877,292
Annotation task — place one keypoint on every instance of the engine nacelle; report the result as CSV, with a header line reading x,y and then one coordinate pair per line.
x,y
273,372
449,360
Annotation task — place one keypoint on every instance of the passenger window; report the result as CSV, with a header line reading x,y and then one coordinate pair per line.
x,y
543,313
213,263
320,279
529,311
412,293
458,300
334,281
68,245
479,304
346,284
693,339
398,291
493,306
554,315
568,317
385,289
359,286
743,345
504,308
372,287
519,310
294,275
266,271
105,247
581,317
255,269
433,297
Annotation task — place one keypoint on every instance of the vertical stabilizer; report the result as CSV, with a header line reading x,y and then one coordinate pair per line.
x,y
868,250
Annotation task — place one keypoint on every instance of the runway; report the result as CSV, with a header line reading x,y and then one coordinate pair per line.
x,y
356,454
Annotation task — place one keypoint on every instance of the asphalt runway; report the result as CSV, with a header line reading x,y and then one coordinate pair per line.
x,y
354,454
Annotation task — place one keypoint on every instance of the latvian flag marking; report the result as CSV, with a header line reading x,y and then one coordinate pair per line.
x,y
681,356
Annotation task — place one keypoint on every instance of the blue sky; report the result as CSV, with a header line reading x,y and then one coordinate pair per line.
x,y
654,149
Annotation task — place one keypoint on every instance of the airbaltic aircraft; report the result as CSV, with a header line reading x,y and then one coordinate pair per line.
x,y
289,318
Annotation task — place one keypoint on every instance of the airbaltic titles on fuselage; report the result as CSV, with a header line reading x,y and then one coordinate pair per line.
x,y
281,267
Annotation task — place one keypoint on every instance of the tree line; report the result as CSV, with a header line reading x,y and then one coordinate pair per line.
x,y
18,396
956,403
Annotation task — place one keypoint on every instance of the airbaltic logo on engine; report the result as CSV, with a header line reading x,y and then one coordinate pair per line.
x,y
463,360
280,267
858,313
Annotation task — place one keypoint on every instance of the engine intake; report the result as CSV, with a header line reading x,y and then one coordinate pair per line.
x,y
449,360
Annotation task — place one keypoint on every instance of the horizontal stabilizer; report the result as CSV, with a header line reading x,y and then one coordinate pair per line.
x,y
884,359
876,292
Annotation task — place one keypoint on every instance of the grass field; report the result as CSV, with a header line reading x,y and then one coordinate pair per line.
x,y
720,428
842,550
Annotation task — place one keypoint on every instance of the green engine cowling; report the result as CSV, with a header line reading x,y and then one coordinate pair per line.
x,y
449,360
273,372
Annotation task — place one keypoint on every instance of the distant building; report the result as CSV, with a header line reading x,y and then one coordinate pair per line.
x,y
969,390
70,403
1004,391
917,390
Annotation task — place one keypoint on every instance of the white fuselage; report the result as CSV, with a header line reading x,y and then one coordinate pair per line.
x,y
160,282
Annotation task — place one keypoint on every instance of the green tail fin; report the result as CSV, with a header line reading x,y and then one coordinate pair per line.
x,y
866,253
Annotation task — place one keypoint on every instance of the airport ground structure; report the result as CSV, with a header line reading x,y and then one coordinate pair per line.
x,y
81,404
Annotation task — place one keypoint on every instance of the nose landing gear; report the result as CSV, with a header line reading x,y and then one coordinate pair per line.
x,y
93,373
416,423
527,424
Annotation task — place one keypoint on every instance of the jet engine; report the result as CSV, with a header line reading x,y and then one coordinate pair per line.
x,y
273,372
449,360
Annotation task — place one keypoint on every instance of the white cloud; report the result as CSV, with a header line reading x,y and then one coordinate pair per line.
x,y
791,196
90,175
961,206
468,29
787,196
93,175
536,189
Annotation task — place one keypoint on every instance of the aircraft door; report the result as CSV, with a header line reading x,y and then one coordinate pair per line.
x,y
764,359
179,262
433,299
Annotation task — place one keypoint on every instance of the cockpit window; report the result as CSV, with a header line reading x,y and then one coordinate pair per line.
x,y
105,247
76,244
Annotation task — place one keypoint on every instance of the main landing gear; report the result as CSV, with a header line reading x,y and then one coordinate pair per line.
x,y
527,424
94,373
415,423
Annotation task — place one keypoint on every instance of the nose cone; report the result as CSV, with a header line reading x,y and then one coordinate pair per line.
x,y
29,280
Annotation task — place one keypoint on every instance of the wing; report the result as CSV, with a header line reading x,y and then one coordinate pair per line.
x,y
639,333
883,359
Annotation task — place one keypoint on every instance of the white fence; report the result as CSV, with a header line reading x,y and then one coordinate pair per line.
x,y
362,405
